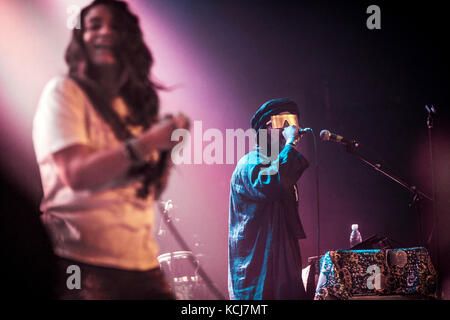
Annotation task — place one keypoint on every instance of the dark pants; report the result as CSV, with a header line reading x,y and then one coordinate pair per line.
x,y
100,283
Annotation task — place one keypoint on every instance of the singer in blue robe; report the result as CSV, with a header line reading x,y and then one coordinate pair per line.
x,y
264,225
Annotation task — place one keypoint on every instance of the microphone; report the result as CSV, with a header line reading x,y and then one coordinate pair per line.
x,y
302,131
326,135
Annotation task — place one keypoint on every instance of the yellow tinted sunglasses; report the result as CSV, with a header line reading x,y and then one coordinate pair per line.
x,y
280,121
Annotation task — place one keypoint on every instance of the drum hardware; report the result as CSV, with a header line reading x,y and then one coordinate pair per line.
x,y
183,278
183,289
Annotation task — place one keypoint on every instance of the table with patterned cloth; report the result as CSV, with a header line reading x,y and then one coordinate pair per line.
x,y
348,274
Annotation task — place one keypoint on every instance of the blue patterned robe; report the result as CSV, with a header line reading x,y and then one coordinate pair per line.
x,y
264,227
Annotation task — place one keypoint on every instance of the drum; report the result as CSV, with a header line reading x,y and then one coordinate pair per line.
x,y
181,273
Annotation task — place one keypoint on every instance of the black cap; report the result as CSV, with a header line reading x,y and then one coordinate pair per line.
x,y
270,108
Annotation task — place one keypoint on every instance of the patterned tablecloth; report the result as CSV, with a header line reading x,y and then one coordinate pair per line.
x,y
350,273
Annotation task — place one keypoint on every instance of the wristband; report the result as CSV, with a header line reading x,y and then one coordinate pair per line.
x,y
293,142
132,153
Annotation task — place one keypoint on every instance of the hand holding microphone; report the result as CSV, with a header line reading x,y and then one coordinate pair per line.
x,y
159,135
292,134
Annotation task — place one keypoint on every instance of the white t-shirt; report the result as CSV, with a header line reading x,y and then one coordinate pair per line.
x,y
108,226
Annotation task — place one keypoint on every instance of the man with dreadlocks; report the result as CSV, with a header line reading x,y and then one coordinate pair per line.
x,y
264,226
102,152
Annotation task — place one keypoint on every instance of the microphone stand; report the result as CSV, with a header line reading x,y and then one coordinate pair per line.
x,y
417,193
431,111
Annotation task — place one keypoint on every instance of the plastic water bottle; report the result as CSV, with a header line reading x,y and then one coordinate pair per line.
x,y
355,236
